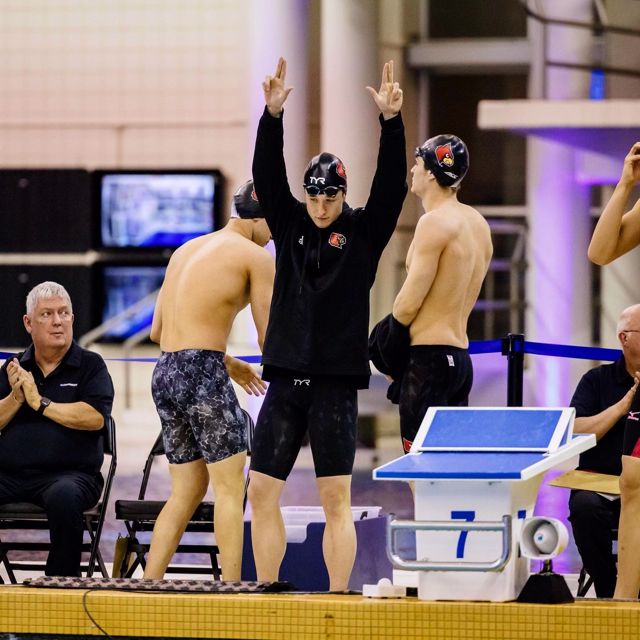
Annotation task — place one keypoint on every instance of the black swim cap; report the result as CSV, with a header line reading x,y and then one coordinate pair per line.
x,y
447,157
325,170
245,202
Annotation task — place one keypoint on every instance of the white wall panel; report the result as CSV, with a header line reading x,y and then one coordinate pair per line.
x,y
173,65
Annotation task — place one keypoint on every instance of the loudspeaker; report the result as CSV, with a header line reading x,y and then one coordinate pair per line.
x,y
543,538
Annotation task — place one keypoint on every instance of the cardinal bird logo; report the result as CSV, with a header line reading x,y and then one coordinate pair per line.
x,y
340,170
444,155
337,240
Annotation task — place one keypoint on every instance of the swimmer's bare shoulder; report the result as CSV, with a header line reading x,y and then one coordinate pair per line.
x,y
439,221
221,253
450,221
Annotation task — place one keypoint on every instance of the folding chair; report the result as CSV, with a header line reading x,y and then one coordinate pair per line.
x,y
139,516
27,516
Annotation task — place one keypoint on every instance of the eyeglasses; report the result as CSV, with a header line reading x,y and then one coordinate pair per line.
x,y
314,190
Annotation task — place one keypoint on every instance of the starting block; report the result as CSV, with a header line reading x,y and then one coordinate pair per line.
x,y
477,472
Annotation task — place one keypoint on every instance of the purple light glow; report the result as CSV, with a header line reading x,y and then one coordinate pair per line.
x,y
559,273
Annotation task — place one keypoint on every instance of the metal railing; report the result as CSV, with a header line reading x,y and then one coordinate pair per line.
x,y
514,265
600,29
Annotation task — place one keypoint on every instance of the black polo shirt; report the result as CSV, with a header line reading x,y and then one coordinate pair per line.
x,y
599,389
31,442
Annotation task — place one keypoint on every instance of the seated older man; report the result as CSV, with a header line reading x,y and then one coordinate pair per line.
x,y
602,401
54,400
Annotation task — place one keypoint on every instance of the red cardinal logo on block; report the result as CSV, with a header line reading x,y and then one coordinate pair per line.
x,y
406,445
337,240
444,155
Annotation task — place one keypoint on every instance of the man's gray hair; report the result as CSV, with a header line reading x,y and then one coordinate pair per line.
x,y
45,291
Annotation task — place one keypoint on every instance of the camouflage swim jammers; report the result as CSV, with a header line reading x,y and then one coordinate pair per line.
x,y
198,407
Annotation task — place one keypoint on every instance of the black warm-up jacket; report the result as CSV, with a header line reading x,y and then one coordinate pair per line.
x,y
319,318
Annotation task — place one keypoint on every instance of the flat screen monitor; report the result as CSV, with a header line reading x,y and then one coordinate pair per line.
x,y
155,209
123,286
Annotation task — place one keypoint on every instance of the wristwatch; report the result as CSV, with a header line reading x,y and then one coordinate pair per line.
x,y
44,403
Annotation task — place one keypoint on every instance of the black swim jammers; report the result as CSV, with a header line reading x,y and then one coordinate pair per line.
x,y
436,376
198,407
326,407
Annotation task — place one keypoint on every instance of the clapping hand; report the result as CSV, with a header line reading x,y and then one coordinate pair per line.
x,y
627,399
13,373
389,97
30,388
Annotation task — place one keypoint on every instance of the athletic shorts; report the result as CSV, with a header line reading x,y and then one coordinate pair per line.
x,y
198,407
325,407
436,376
631,442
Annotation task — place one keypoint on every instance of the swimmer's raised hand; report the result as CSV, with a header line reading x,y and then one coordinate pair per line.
x,y
389,97
274,89
631,166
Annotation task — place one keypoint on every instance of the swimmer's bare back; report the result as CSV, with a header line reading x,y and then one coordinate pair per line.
x,y
208,281
462,262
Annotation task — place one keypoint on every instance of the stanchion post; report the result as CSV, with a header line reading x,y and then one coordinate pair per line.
x,y
513,348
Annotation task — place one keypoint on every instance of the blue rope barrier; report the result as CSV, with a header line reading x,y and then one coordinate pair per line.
x,y
485,346
571,351
475,347
481,346
251,359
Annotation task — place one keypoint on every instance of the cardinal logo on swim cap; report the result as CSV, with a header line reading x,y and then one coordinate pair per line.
x,y
444,155
447,157
340,170
254,196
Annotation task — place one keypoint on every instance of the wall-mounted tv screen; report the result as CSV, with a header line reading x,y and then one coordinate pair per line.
x,y
123,286
156,209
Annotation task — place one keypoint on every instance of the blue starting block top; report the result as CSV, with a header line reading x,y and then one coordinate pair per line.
x,y
512,443
493,429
